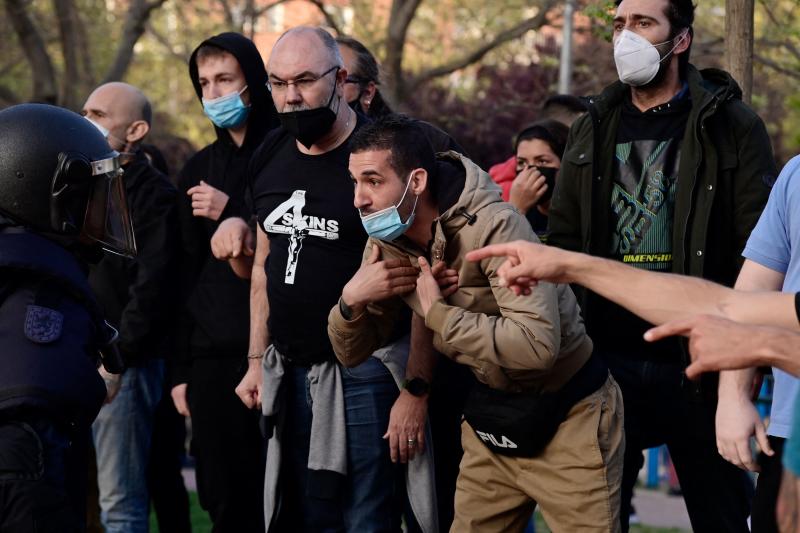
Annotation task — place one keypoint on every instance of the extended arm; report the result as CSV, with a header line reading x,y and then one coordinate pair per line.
x,y
654,296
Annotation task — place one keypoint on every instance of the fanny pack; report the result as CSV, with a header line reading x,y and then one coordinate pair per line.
x,y
521,424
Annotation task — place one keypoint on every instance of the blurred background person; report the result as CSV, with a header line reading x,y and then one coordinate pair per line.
x,y
136,296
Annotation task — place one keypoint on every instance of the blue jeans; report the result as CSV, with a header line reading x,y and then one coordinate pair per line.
x,y
122,436
372,501
375,495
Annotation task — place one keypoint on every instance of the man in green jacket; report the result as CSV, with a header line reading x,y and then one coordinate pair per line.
x,y
669,171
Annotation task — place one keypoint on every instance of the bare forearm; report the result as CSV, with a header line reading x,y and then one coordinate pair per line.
x,y
259,312
422,356
781,350
654,296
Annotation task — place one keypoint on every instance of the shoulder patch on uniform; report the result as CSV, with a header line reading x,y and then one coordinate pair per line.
x,y
42,324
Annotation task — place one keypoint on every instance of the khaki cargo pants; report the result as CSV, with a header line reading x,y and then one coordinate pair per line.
x,y
576,479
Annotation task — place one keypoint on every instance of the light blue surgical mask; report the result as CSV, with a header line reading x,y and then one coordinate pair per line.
x,y
386,224
227,111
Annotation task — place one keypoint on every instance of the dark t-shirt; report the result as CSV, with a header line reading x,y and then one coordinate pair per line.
x,y
538,222
305,205
648,151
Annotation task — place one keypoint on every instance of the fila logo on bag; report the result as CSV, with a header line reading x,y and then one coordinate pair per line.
x,y
503,442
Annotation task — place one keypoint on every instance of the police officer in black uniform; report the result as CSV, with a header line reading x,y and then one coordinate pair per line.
x,y
61,203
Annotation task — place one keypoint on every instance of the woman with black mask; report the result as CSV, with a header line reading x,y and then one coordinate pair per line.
x,y
539,149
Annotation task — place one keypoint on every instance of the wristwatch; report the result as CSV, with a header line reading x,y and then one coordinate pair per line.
x,y
417,386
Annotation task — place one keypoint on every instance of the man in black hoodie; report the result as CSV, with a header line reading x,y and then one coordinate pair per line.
x,y
229,77
134,294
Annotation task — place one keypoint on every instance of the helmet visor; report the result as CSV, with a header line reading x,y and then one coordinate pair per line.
x,y
108,220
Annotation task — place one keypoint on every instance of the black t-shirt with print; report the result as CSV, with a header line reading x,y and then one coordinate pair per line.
x,y
305,205
648,149
647,158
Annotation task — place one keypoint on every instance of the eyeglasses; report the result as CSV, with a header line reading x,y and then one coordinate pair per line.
x,y
524,165
301,84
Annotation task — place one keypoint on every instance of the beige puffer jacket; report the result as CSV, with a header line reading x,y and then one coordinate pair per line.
x,y
510,342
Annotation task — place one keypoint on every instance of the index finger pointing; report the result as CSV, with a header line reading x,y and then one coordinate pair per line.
x,y
493,250
676,327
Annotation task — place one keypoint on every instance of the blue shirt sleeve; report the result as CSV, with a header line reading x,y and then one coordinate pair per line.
x,y
770,243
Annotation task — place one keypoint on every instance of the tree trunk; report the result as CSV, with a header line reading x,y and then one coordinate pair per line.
x,y
739,43
68,30
30,40
135,24
400,17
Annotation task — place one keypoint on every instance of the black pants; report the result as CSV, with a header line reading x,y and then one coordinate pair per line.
x,y
769,483
228,447
449,391
662,407
164,480
42,476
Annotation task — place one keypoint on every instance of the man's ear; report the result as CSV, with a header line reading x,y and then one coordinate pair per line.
x,y
419,181
341,76
137,131
683,42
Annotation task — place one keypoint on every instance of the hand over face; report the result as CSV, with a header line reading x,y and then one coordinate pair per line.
x,y
527,189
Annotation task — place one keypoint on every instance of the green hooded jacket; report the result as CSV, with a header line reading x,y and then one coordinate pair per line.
x,y
725,174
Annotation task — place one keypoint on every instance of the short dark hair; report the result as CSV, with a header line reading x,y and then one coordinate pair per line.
x,y
405,139
553,132
680,14
209,50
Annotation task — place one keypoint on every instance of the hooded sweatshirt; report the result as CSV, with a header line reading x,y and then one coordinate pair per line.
x,y
214,314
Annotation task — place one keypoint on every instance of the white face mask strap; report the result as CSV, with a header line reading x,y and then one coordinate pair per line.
x,y
416,197
682,36
408,185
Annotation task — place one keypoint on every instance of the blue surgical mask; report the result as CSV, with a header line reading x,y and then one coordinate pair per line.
x,y
386,224
227,111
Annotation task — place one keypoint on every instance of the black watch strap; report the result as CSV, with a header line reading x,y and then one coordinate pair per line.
x,y
417,386
345,309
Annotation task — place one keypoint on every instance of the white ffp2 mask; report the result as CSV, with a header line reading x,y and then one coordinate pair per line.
x,y
637,59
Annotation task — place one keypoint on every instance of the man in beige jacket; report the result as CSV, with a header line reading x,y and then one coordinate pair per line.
x,y
544,425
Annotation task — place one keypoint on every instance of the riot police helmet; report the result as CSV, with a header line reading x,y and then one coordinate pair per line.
x,y
59,177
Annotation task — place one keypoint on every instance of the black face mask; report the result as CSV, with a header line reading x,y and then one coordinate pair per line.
x,y
549,174
310,125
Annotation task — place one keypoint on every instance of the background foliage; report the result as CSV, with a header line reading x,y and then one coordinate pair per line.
x,y
478,69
